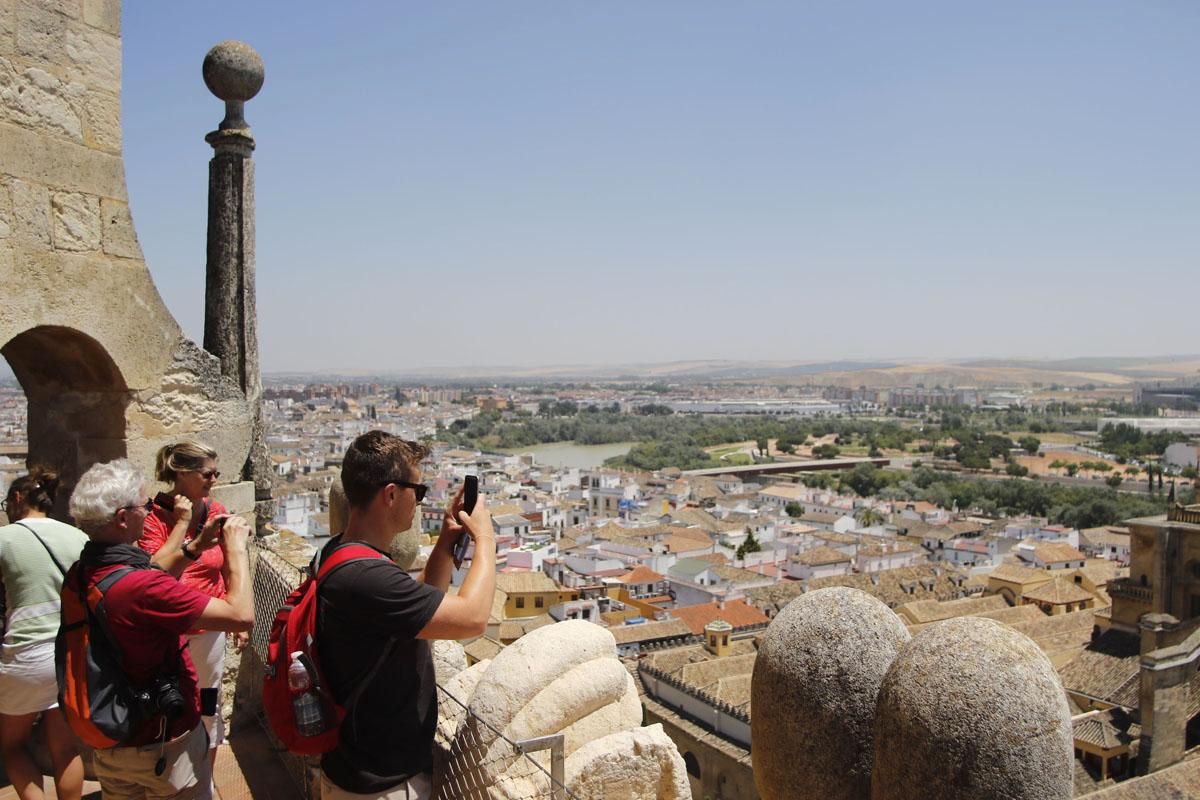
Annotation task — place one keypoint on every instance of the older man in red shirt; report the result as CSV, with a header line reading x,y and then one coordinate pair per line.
x,y
148,612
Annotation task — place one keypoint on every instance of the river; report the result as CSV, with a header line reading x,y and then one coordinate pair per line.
x,y
569,454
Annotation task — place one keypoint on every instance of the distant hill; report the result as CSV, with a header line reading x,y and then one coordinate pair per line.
x,y
1118,373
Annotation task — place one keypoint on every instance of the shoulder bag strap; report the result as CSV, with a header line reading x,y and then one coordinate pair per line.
x,y
49,552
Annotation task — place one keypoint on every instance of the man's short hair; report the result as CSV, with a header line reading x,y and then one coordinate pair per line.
x,y
376,459
102,491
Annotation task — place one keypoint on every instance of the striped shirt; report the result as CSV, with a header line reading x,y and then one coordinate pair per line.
x,y
32,583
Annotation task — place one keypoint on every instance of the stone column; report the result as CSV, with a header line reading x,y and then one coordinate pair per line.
x,y
233,72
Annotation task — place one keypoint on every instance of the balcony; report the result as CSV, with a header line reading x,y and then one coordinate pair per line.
x,y
1127,589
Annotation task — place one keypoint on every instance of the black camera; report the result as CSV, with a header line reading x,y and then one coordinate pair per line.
x,y
162,696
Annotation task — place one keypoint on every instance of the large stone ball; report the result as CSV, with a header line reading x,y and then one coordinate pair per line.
x,y
816,677
970,710
233,71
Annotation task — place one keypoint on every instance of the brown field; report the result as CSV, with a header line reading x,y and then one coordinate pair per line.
x,y
1040,464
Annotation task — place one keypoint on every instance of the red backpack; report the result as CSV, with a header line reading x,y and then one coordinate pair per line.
x,y
295,631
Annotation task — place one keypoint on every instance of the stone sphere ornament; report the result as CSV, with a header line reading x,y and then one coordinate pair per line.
x,y
233,71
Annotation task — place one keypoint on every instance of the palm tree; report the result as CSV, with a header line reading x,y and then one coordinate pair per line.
x,y
867,517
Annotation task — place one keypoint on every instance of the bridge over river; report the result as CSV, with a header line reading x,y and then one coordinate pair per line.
x,y
784,467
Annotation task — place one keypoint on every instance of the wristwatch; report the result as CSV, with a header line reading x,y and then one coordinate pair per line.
x,y
188,554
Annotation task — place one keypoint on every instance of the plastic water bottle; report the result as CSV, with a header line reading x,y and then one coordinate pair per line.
x,y
306,706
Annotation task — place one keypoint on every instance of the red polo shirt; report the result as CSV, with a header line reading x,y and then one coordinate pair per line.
x,y
148,613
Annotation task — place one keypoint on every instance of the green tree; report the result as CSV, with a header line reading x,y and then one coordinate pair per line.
x,y
867,517
794,510
826,451
1114,480
974,458
1016,470
751,544
864,479
1031,444
762,446
1072,469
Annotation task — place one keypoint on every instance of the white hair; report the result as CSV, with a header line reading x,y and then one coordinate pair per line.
x,y
103,490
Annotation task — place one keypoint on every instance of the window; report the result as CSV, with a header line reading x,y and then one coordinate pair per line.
x,y
539,602
520,602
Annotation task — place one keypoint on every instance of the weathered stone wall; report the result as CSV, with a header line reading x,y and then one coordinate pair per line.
x,y
725,772
106,368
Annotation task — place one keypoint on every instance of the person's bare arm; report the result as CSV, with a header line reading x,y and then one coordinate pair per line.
x,y
236,611
170,556
466,614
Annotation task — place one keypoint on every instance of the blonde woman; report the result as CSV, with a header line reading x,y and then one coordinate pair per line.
x,y
172,536
35,552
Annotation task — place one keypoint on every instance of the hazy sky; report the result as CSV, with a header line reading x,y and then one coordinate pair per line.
x,y
565,182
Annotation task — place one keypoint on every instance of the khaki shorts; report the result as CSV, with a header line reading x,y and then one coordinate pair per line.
x,y
127,773
418,787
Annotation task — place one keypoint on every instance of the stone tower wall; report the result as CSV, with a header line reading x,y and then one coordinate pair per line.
x,y
107,370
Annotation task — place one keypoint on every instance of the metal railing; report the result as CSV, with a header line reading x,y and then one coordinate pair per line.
x,y
480,762
477,762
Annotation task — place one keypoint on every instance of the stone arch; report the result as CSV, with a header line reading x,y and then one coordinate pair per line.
x,y
692,763
77,399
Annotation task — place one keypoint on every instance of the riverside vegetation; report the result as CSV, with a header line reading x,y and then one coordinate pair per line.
x,y
971,441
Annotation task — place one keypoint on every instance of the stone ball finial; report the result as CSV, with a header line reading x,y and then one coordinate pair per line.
x,y
818,671
233,71
972,709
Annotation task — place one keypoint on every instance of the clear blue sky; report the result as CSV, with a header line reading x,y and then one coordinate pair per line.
x,y
565,182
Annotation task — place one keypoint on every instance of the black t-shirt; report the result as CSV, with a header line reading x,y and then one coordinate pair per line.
x,y
388,735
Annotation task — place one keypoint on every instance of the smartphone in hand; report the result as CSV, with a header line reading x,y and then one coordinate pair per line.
x,y
470,496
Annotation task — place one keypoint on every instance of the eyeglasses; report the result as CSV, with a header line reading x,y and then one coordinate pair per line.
x,y
420,489
210,474
147,506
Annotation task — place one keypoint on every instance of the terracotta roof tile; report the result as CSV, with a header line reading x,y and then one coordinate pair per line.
x,y
736,612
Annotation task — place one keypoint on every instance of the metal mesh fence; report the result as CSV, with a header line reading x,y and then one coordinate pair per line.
x,y
475,760
471,758
274,578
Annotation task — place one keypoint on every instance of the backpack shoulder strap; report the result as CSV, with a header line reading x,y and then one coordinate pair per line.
x,y
344,554
106,583
49,552
98,616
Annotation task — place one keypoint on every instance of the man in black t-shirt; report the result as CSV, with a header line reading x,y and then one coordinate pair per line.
x,y
374,624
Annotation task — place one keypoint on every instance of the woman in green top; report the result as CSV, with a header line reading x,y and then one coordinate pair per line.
x,y
34,553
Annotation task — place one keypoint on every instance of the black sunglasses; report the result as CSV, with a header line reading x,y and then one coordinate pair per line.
x,y
420,489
